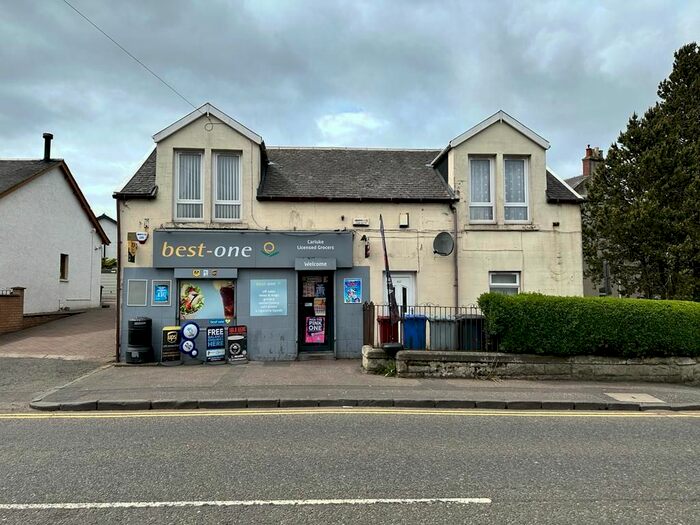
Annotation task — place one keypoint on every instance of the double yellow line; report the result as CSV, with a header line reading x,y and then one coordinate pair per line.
x,y
346,411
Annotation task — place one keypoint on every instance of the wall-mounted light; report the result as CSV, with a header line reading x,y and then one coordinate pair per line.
x,y
403,220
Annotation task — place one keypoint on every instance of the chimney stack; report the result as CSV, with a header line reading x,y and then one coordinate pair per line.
x,y
47,146
593,158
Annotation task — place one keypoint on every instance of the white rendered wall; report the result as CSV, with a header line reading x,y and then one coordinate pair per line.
x,y
110,228
38,222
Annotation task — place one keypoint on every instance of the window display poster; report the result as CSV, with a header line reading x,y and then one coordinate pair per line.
x,y
207,299
320,306
268,297
315,330
161,293
352,290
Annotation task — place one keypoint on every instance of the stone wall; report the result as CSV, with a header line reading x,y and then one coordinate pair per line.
x,y
485,365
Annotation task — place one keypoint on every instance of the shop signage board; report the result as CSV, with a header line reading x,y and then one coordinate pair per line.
x,y
170,348
237,344
314,263
268,297
206,249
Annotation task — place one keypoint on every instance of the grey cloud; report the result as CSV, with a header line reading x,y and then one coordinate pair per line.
x,y
572,71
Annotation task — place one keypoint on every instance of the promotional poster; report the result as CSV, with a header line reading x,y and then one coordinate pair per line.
x,y
207,299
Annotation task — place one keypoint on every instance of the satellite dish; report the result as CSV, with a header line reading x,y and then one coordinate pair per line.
x,y
443,244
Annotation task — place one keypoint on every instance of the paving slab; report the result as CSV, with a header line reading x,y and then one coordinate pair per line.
x,y
87,336
342,382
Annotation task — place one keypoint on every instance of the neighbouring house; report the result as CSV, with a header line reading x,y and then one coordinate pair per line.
x,y
590,163
109,225
220,229
52,241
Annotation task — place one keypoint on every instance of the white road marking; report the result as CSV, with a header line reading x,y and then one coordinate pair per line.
x,y
236,503
639,398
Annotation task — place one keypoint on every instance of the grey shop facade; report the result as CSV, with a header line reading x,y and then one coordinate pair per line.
x,y
297,293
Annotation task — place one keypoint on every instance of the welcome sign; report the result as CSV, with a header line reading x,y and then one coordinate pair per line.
x,y
249,249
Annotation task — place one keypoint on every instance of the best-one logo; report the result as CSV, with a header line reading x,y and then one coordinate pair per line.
x,y
201,250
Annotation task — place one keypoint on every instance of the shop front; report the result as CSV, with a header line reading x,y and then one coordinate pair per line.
x,y
291,293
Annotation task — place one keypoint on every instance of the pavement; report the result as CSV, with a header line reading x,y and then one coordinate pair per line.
x,y
342,383
87,336
36,360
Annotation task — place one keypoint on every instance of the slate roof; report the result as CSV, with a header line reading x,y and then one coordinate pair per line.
x,y
344,174
107,217
578,183
143,183
15,172
559,192
347,174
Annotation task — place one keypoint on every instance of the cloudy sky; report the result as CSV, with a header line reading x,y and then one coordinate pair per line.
x,y
356,73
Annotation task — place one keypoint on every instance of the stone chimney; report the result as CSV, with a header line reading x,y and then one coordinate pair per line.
x,y
593,159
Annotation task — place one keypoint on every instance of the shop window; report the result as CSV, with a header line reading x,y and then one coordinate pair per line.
x,y
63,272
189,204
480,190
516,201
506,283
227,187
136,292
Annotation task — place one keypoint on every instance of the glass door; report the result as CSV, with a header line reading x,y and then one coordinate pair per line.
x,y
315,312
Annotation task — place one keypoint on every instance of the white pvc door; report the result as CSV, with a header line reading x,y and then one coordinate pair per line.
x,y
405,286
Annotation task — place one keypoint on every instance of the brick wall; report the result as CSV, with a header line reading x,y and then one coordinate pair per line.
x,y
12,311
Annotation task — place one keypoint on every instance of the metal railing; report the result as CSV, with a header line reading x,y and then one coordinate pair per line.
x,y
426,327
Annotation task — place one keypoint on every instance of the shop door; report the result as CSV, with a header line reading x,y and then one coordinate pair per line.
x,y
315,312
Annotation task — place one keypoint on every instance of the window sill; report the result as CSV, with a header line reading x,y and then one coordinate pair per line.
x,y
63,280
518,227
230,225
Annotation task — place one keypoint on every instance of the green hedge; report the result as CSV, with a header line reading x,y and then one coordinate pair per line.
x,y
541,324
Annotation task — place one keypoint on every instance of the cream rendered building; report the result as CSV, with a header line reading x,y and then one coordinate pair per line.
x,y
292,234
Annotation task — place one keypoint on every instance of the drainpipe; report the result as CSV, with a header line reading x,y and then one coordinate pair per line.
x,y
119,276
453,207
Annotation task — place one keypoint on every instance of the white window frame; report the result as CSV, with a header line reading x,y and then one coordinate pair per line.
x,y
492,191
128,302
155,282
526,204
176,193
505,285
214,179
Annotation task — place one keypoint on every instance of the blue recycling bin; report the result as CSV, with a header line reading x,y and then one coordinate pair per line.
x,y
414,331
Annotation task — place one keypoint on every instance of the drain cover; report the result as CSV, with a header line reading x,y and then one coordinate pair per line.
x,y
638,398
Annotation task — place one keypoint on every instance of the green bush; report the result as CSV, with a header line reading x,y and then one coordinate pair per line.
x,y
566,326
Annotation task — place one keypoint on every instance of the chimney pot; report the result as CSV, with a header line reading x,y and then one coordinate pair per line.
x,y
47,146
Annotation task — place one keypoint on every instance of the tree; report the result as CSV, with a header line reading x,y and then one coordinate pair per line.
x,y
642,215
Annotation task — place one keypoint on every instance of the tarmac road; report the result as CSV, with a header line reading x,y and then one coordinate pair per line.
x,y
523,467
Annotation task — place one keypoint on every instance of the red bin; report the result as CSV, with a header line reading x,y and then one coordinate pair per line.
x,y
388,333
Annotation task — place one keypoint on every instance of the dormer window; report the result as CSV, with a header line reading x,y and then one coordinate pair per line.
x,y
516,198
481,190
227,186
189,189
